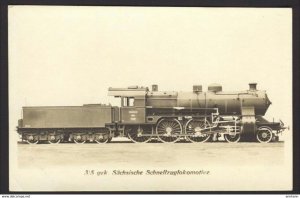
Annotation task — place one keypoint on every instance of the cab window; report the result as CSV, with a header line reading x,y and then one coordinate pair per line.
x,y
128,102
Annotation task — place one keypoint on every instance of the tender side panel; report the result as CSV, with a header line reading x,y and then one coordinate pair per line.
x,y
66,117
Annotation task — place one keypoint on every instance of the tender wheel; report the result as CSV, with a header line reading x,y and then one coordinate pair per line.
x,y
102,138
264,134
137,134
78,139
54,140
195,130
232,138
168,130
32,139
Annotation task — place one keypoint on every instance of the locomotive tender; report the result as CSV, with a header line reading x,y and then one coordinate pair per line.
x,y
168,116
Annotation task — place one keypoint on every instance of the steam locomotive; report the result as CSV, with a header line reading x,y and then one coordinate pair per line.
x,y
167,116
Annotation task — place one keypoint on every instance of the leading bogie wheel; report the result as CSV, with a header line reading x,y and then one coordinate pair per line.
x,y
196,130
168,130
264,134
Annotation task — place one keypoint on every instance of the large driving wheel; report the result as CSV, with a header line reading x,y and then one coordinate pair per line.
x,y
140,134
264,134
196,130
168,130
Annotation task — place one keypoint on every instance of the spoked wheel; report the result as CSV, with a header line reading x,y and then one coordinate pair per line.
x,y
140,134
102,138
54,140
232,138
78,139
195,129
32,139
168,130
264,134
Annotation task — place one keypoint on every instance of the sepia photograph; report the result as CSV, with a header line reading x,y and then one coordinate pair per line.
x,y
121,98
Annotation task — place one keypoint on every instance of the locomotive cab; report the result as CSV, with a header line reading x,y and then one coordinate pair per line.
x,y
133,102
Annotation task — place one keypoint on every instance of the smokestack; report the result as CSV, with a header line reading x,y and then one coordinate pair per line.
x,y
252,86
154,87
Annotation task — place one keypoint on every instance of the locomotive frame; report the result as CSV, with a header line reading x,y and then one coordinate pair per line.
x,y
166,116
